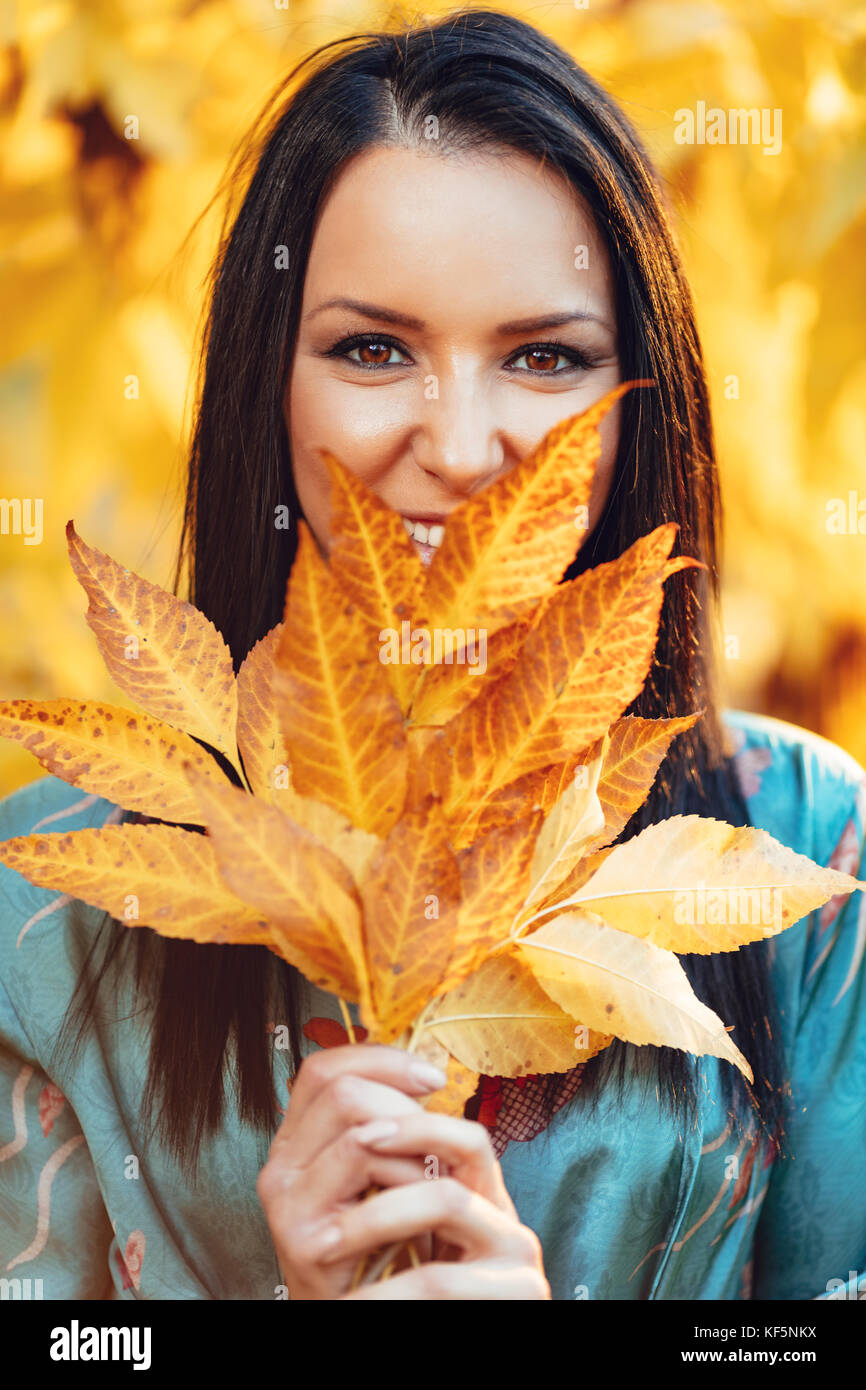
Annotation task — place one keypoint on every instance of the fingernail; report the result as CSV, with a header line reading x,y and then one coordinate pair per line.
x,y
375,1130
428,1076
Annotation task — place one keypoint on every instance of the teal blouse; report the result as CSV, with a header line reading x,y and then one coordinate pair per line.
x,y
625,1206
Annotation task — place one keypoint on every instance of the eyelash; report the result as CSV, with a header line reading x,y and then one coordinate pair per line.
x,y
577,358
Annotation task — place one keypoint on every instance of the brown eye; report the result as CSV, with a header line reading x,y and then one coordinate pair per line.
x,y
376,352
375,359
546,357
542,359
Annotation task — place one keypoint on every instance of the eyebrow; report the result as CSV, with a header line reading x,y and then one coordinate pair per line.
x,y
509,328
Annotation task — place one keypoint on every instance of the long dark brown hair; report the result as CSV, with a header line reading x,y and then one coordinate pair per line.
x,y
490,79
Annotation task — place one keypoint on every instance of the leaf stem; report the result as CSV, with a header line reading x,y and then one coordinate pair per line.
x,y
381,1268
544,912
347,1020
358,1276
418,1025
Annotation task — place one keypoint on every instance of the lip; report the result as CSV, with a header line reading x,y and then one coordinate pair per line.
x,y
431,519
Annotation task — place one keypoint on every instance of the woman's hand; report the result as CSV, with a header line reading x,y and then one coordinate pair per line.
x,y
438,1172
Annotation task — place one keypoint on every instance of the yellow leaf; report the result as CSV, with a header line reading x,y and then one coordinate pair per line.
x,y
609,979
494,876
461,1085
410,896
144,875
353,846
634,753
260,738
694,884
341,722
296,883
474,664
537,791
265,757
582,664
374,562
370,553
124,756
162,652
504,548
499,1022
569,826
579,874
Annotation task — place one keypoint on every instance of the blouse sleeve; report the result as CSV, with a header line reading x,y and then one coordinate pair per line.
x,y
55,1234
811,1233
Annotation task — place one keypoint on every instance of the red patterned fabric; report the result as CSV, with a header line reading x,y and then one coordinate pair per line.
x,y
512,1109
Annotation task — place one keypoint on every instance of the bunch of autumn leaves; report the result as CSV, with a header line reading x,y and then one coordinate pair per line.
x,y
433,842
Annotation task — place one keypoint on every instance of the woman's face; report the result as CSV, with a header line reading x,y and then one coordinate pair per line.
x,y
454,309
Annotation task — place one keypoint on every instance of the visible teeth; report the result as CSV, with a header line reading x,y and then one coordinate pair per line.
x,y
424,535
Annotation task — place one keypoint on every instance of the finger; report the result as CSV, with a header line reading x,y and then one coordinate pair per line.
x,y
301,1198
347,1167
472,1280
391,1066
347,1099
295,1214
334,1280
444,1207
460,1147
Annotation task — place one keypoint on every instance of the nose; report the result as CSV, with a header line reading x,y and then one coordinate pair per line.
x,y
460,444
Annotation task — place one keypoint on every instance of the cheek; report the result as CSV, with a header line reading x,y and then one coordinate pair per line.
x,y
319,416
305,417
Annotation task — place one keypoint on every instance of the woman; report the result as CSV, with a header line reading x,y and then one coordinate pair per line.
x,y
450,240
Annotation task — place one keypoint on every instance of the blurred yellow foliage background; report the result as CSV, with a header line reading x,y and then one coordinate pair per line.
x,y
97,288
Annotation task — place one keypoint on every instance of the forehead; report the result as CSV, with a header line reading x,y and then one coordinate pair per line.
x,y
473,232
